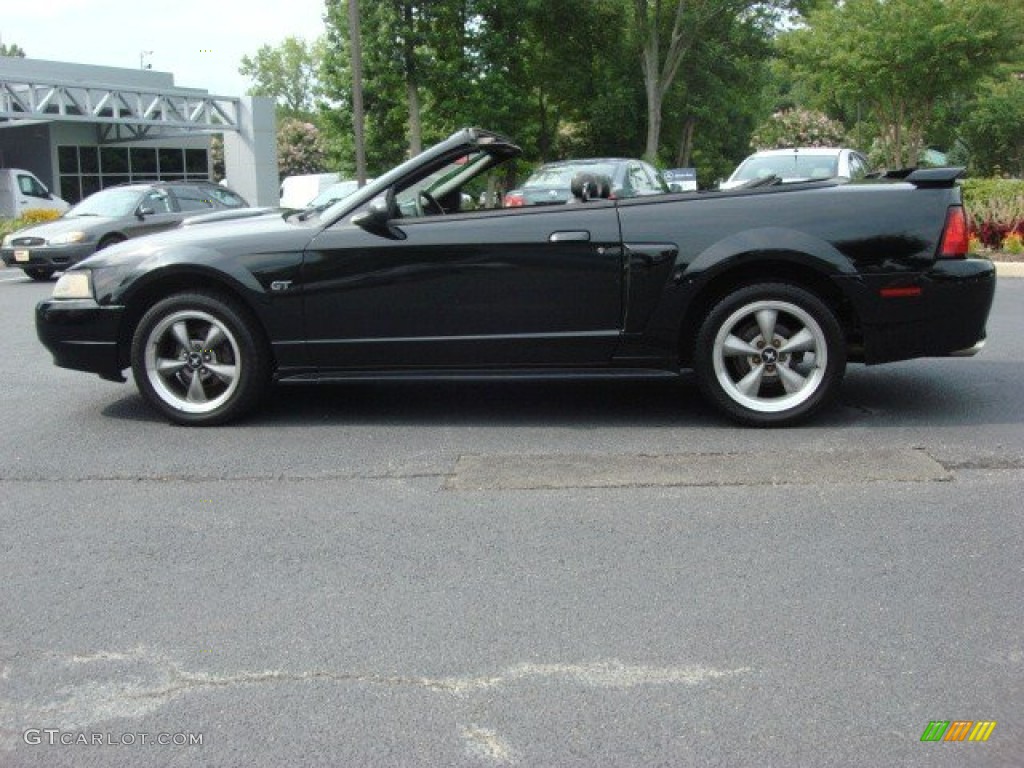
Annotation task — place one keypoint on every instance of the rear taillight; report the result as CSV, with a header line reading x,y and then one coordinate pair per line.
x,y
514,201
955,237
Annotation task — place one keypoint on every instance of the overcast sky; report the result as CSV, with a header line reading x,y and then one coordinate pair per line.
x,y
201,42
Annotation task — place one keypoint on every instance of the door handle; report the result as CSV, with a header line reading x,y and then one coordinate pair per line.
x,y
570,236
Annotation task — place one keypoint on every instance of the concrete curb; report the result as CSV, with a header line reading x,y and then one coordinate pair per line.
x,y
1009,268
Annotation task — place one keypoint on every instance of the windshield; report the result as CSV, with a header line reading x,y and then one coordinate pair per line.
x,y
561,175
793,166
335,192
111,203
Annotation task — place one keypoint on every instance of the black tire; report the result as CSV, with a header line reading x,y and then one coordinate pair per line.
x,y
770,382
200,359
40,274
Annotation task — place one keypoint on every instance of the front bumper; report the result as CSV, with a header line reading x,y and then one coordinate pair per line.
x,y
938,313
82,335
55,257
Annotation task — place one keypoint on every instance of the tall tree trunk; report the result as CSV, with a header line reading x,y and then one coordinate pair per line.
x,y
686,143
415,126
358,118
660,71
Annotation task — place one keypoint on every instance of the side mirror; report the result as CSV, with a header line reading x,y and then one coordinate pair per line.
x,y
376,218
144,211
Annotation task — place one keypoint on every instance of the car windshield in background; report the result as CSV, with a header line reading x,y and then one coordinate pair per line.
x,y
111,203
335,192
789,167
561,176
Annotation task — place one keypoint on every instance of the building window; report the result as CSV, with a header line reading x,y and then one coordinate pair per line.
x,y
87,169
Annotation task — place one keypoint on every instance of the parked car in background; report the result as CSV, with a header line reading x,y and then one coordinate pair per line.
x,y
107,217
299,191
550,184
799,164
21,191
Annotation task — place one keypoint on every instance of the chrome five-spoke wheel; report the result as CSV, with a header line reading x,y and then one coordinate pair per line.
x,y
200,358
192,361
770,354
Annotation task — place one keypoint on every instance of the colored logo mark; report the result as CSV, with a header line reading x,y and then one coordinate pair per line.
x,y
958,730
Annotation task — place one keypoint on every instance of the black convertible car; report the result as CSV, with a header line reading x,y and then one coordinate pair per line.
x,y
766,293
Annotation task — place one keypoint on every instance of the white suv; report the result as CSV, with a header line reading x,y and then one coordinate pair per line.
x,y
800,164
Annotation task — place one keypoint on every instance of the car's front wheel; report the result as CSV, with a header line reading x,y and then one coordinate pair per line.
x,y
199,359
41,274
770,354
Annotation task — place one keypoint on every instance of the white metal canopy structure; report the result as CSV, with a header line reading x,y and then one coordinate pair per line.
x,y
138,106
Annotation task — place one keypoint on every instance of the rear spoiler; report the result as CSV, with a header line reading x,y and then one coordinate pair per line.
x,y
924,177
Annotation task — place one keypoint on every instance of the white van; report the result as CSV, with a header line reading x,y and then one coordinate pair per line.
x,y
21,191
298,191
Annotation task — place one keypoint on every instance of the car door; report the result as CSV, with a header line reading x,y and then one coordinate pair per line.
x,y
530,287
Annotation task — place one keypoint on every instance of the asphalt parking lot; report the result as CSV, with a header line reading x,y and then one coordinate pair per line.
x,y
512,574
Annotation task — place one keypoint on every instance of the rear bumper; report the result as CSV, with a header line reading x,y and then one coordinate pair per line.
x,y
938,313
82,335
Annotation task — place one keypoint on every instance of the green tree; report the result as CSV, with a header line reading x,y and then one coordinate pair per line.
x,y
994,128
12,49
288,73
900,59
669,31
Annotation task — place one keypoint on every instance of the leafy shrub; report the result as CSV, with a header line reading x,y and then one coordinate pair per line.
x,y
995,209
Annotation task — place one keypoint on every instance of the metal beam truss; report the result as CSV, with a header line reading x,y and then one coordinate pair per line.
x,y
123,113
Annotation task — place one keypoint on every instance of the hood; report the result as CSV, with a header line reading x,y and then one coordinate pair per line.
x,y
251,233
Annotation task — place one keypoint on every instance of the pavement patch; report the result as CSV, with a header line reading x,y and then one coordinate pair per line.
x,y
783,467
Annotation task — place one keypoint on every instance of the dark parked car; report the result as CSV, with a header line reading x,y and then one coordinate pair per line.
x,y
550,184
107,217
766,293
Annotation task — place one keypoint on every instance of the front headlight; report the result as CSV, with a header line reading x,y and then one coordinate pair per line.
x,y
67,238
7,241
73,285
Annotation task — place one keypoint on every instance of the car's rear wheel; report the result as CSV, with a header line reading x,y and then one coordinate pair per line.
x,y
770,354
199,359
39,273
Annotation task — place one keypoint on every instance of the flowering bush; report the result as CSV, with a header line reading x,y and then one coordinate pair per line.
x,y
798,128
300,148
995,209
38,216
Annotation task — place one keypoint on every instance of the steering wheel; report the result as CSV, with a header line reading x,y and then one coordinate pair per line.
x,y
431,202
